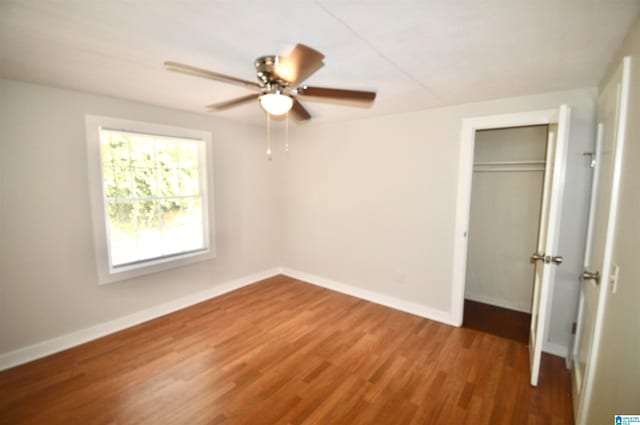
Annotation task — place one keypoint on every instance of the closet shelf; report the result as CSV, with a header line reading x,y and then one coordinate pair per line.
x,y
508,166
533,162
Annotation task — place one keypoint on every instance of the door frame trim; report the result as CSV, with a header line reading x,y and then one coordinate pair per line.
x,y
465,177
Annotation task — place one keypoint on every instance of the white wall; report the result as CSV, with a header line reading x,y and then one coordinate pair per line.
x,y
616,388
48,283
371,203
504,217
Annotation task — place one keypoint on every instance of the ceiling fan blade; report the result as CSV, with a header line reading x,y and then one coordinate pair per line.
x,y
221,106
341,94
298,111
204,73
300,64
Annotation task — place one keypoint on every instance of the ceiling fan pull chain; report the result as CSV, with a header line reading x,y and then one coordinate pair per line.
x,y
269,136
286,133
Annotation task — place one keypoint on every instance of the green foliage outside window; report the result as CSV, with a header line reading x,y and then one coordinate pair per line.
x,y
148,182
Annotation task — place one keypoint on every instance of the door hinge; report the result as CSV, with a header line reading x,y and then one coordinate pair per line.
x,y
574,326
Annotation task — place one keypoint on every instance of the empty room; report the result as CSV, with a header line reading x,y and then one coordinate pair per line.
x,y
319,212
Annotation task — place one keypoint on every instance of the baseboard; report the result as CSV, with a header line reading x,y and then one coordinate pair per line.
x,y
375,297
499,303
555,349
63,342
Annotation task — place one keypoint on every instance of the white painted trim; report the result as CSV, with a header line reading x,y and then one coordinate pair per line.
x,y
555,349
63,342
463,201
72,339
105,271
374,297
498,302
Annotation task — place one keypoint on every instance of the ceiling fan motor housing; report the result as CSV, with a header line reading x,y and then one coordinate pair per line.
x,y
266,72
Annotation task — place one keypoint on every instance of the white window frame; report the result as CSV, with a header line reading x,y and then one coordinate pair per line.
x,y
106,272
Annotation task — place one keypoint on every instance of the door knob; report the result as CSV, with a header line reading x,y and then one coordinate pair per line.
x,y
557,259
587,275
537,257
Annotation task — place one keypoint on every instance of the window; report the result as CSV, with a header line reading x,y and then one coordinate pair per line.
x,y
150,196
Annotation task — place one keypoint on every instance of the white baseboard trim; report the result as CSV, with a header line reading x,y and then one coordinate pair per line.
x,y
72,339
497,302
555,349
375,297
63,342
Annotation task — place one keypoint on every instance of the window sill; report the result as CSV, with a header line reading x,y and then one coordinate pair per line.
x,y
154,266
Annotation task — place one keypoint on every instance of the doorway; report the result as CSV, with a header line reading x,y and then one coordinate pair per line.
x,y
504,219
546,257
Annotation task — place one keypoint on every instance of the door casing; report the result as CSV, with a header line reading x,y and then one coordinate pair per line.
x,y
465,177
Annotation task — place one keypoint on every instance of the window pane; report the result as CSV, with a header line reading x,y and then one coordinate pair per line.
x,y
115,165
121,215
188,155
117,182
169,210
149,230
193,210
149,243
145,182
152,189
142,152
167,153
194,238
192,221
164,182
114,149
109,181
190,211
146,214
188,181
184,226
173,240
168,178
122,233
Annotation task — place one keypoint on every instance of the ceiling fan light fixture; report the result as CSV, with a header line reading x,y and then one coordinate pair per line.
x,y
279,83
276,103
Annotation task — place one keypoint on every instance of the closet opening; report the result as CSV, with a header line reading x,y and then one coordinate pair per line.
x,y
504,221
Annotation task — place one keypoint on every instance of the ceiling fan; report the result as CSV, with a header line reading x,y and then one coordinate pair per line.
x,y
278,86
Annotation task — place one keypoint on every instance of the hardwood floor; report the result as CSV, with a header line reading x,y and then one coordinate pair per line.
x,y
285,352
497,321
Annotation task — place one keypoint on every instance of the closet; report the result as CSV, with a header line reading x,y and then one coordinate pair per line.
x,y
505,213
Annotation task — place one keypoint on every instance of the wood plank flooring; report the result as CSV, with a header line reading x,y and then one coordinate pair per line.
x,y
497,321
286,352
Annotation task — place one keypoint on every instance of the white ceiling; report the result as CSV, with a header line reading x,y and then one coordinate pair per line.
x,y
416,54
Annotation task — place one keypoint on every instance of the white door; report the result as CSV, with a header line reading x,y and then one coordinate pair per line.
x,y
546,258
608,156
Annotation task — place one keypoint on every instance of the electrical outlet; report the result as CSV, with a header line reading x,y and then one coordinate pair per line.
x,y
615,272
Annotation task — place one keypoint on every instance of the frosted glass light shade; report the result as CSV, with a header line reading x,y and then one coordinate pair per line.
x,y
275,103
